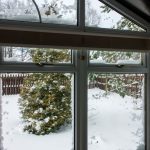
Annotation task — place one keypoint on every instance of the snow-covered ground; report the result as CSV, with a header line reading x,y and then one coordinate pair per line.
x,y
114,123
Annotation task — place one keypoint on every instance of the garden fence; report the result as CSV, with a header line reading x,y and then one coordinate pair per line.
x,y
12,83
131,84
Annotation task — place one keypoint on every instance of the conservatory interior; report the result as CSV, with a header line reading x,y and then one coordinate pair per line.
x,y
74,75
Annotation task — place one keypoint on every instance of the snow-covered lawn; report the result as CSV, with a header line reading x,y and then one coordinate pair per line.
x,y
114,123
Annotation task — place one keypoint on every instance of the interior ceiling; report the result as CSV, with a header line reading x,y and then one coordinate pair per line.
x,y
140,7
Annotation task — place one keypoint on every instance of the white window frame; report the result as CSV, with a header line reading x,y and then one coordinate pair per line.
x,y
83,38
80,68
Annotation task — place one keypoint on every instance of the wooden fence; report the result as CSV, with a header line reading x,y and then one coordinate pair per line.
x,y
131,84
11,83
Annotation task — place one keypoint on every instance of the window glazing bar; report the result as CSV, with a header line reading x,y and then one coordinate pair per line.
x,y
116,33
147,104
81,14
69,29
1,54
1,137
118,70
37,8
34,68
81,99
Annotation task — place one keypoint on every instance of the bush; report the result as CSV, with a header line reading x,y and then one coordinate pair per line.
x,y
45,101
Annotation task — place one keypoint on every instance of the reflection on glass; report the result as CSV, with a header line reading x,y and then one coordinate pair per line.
x,y
116,111
37,111
114,57
102,16
36,55
45,11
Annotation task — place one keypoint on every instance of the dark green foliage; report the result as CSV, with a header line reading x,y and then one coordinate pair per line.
x,y
118,85
50,55
45,101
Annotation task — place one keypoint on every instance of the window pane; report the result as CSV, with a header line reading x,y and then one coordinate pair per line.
x,y
23,10
102,16
59,11
36,55
37,111
45,11
114,57
116,112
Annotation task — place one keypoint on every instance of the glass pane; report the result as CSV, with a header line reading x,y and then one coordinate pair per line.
x,y
58,11
114,57
36,55
45,11
116,112
102,16
37,111
22,10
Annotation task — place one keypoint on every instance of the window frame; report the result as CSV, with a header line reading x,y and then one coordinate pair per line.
x,y
81,18
15,33
80,69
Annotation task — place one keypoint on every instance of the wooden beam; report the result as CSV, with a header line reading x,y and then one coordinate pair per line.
x,y
42,39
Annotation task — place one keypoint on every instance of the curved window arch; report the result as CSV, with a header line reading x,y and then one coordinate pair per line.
x,y
20,10
43,11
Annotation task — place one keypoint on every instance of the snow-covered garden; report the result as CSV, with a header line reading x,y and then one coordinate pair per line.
x,y
114,123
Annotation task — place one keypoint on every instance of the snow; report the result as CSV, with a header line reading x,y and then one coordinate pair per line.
x,y
11,58
130,61
16,139
114,123
98,60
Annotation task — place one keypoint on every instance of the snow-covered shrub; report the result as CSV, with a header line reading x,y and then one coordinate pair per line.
x,y
45,98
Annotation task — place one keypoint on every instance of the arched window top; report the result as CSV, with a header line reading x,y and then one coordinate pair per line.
x,y
20,10
43,11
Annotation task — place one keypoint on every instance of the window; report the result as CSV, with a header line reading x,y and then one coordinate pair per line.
x,y
62,13
37,106
106,101
116,58
36,55
116,111
58,12
102,16
74,75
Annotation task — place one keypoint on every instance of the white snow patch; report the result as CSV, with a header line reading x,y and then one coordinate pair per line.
x,y
114,123
130,61
98,60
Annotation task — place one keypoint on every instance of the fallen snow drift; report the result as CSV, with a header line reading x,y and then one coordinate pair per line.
x,y
114,123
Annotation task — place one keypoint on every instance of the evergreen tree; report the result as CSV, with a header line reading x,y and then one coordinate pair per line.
x,y
45,101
